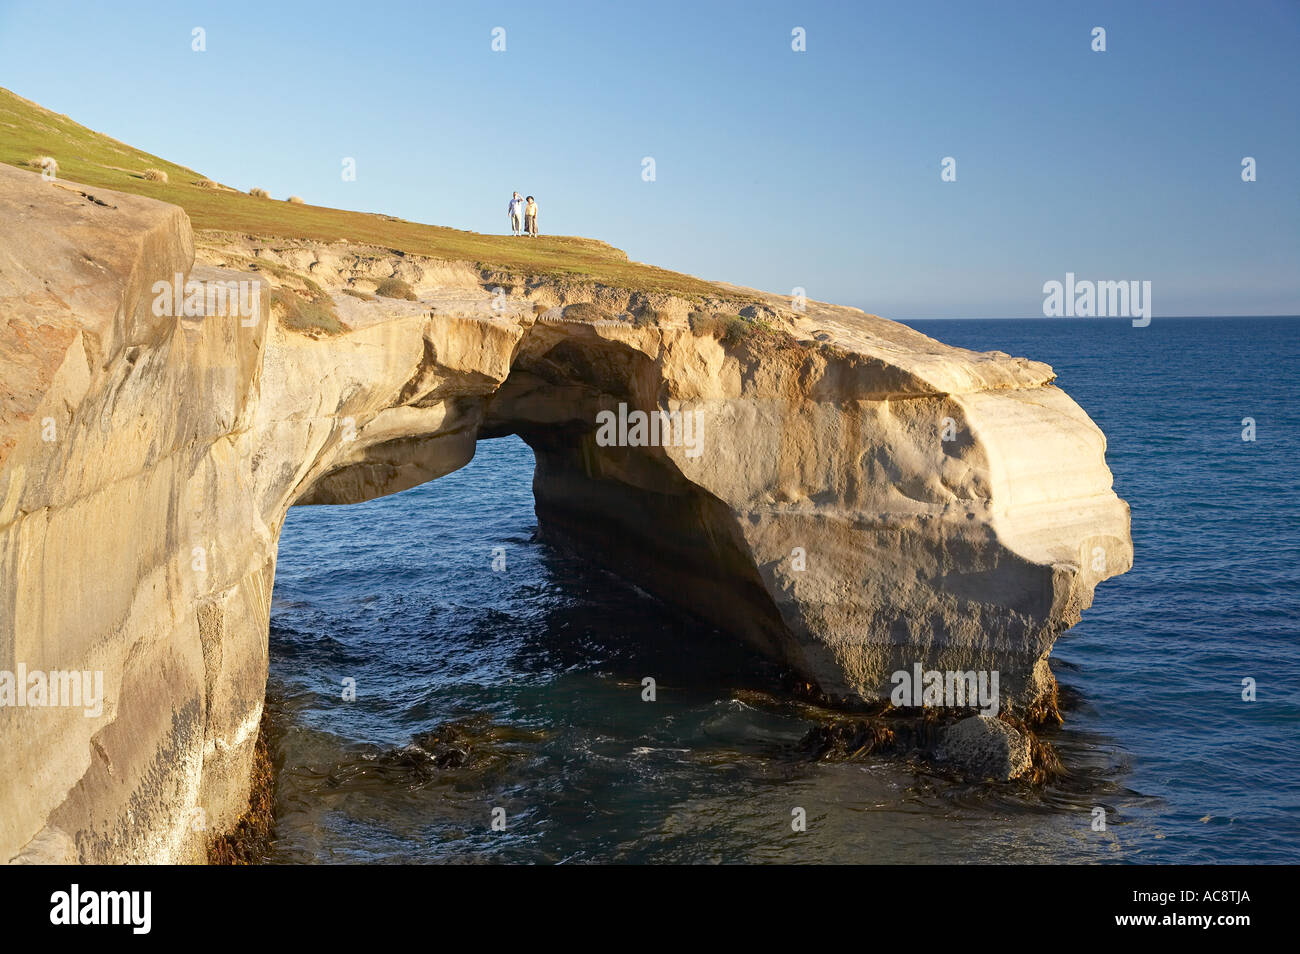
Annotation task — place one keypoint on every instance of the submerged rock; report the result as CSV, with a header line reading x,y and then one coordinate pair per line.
x,y
849,740
475,744
975,747
449,745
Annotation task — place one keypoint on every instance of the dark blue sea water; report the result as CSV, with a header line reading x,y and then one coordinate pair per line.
x,y
540,664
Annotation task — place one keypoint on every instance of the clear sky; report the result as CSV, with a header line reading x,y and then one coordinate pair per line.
x,y
773,168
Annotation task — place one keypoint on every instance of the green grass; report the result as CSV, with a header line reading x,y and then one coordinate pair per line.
x,y
28,130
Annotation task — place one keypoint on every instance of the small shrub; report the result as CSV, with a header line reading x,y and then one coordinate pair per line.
x,y
731,330
302,315
585,311
540,309
355,293
206,184
734,329
155,175
295,199
45,164
395,288
646,315
257,193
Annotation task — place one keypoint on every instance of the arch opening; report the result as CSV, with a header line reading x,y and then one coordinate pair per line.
x,y
493,662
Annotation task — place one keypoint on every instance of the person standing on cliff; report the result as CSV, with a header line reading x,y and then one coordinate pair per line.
x,y
516,210
530,217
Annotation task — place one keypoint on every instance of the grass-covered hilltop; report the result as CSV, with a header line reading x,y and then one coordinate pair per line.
x,y
29,133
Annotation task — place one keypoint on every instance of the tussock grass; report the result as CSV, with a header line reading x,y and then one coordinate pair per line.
x,y
731,330
306,315
395,288
258,193
44,163
355,293
734,331
155,175
295,199
585,311
27,130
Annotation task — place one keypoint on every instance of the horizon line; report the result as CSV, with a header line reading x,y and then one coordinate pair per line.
x,y
1088,318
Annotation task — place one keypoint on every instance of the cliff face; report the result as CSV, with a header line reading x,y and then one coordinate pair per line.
x,y
849,495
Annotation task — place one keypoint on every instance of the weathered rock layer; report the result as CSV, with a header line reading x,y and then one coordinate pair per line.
x,y
857,497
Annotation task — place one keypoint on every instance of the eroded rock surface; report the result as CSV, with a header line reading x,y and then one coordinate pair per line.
x,y
985,748
147,463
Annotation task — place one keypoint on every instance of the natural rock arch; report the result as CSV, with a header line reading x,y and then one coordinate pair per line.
x,y
141,541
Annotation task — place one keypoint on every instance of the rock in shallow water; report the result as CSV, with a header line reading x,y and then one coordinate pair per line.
x,y
984,747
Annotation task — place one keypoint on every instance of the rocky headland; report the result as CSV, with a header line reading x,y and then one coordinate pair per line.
x,y
851,497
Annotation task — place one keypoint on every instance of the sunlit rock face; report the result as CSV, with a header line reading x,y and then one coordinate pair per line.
x,y
848,495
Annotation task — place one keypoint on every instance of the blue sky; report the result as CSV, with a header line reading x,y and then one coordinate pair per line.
x,y
774,168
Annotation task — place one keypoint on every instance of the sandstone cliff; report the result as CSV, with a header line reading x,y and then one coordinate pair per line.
x,y
859,497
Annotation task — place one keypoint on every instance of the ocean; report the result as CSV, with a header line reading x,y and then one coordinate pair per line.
x,y
524,681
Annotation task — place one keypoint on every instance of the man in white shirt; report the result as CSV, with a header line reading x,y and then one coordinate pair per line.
x,y
517,214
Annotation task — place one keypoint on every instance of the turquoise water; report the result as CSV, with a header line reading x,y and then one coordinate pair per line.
x,y
540,665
